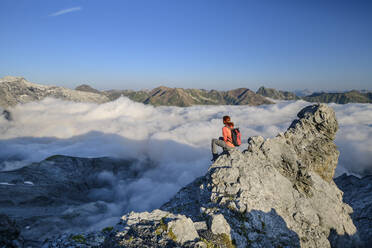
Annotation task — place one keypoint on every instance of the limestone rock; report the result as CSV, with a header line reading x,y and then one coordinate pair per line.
x,y
155,229
183,230
219,225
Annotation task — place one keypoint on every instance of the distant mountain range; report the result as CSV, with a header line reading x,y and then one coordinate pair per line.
x,y
242,96
353,96
188,97
14,90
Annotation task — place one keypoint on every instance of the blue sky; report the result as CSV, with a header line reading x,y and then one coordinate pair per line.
x,y
319,44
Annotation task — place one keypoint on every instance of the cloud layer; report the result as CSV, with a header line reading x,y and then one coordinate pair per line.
x,y
65,11
42,129
176,139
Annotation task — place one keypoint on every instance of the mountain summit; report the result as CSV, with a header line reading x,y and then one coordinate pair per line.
x,y
277,94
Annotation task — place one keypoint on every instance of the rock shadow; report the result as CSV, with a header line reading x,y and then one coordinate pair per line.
x,y
358,194
264,229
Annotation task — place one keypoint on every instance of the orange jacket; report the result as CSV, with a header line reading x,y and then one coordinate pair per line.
x,y
226,132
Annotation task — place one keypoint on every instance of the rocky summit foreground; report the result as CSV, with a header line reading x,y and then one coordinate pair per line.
x,y
277,193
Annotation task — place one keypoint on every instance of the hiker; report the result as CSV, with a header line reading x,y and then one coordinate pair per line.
x,y
226,142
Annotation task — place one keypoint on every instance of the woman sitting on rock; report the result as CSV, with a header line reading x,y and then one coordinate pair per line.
x,y
226,141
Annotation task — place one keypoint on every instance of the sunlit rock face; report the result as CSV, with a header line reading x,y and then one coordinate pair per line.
x,y
277,193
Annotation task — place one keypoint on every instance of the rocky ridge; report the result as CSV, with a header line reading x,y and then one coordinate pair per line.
x,y
352,96
165,96
277,193
15,90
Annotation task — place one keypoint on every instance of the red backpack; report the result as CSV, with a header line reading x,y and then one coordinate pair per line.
x,y
236,137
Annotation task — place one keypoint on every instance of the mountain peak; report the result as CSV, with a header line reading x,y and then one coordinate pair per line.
x,y
87,88
11,79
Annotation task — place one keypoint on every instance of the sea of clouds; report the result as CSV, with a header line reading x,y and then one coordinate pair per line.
x,y
176,139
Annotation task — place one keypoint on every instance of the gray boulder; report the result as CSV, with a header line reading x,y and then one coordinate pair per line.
x,y
219,225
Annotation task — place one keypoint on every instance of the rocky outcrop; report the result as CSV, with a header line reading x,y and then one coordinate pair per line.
x,y
277,94
14,90
358,194
277,193
311,138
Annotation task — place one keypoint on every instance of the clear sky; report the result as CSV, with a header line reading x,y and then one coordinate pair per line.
x,y
211,44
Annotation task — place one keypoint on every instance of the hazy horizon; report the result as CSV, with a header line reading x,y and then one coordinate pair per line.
x,y
286,45
166,85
